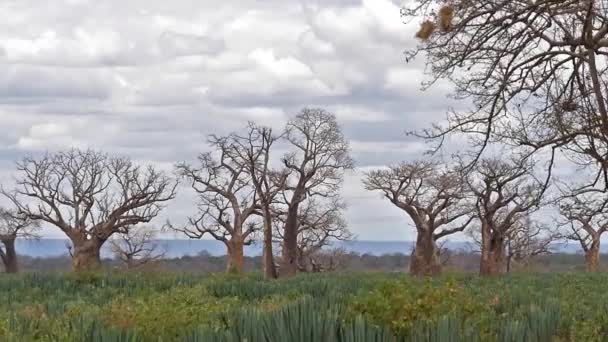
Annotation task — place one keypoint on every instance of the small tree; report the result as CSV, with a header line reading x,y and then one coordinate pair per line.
x,y
89,196
434,198
505,191
586,215
137,247
320,224
329,260
12,227
321,156
227,200
529,239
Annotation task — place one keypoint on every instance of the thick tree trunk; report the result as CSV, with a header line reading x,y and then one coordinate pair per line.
x,y
289,260
268,266
9,256
86,255
236,256
592,256
425,260
493,259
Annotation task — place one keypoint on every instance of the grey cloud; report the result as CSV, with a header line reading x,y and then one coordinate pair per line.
x,y
151,79
188,44
18,82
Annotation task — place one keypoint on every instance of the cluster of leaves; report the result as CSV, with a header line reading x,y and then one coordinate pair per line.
x,y
558,307
405,304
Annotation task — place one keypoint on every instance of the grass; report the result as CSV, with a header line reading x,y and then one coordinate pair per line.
x,y
325,307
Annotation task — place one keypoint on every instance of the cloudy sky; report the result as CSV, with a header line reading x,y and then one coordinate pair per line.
x,y
151,78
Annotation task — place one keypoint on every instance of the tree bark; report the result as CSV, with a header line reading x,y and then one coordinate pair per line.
x,y
592,256
86,255
289,260
493,259
236,256
9,256
425,260
270,271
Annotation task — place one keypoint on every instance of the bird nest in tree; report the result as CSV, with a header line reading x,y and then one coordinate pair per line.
x,y
446,17
426,30
569,106
444,20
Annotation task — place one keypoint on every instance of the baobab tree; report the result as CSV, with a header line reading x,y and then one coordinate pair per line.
x,y
137,247
320,157
12,227
586,216
89,196
321,223
533,71
504,191
252,151
227,201
434,198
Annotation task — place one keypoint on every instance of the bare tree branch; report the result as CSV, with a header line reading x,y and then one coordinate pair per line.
x,y
89,196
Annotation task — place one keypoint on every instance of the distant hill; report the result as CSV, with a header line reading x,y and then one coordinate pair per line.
x,y
179,248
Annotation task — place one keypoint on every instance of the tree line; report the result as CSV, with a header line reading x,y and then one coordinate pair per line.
x,y
534,78
241,195
284,189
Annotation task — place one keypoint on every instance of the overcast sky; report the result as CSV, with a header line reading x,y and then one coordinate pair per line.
x,y
151,78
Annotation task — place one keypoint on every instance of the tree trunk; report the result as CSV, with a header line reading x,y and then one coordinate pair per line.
x,y
425,260
492,254
270,271
86,255
592,256
236,256
289,260
9,256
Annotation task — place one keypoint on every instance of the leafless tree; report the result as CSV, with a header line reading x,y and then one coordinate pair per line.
x,y
321,156
89,196
534,71
434,198
526,239
529,239
253,151
137,247
586,215
320,224
328,260
227,201
12,227
505,191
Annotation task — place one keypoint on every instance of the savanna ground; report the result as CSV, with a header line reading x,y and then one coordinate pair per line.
x,y
324,307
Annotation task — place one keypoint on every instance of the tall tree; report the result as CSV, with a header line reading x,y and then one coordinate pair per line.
x,y
14,226
253,151
586,215
321,156
226,201
534,71
505,192
89,196
434,198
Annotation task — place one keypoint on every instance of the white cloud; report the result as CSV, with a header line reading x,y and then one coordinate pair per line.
x,y
151,78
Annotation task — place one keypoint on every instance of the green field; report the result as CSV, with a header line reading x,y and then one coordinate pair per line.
x,y
347,307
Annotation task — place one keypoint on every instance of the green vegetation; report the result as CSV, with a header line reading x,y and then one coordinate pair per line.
x,y
336,307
